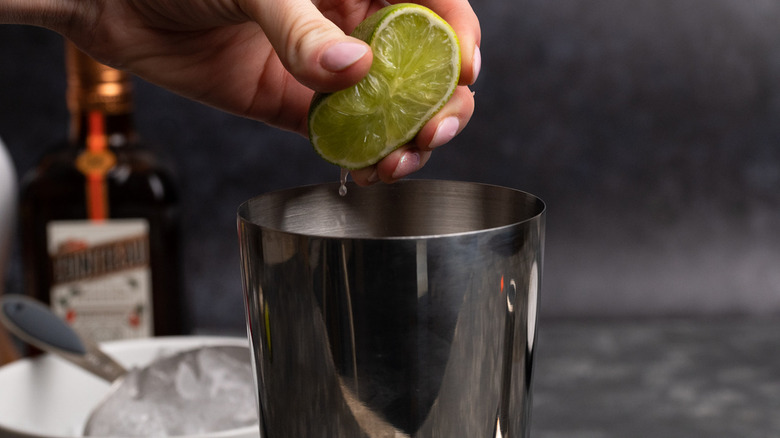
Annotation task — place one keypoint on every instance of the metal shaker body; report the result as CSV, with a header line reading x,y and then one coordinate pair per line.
x,y
403,310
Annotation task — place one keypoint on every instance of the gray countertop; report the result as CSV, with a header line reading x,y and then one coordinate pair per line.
x,y
657,378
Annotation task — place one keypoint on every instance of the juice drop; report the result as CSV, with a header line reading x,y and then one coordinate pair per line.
x,y
343,180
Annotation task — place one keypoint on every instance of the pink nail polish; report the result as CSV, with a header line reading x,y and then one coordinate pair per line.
x,y
476,63
342,55
444,132
408,164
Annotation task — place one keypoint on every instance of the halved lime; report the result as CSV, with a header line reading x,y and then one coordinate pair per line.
x,y
414,73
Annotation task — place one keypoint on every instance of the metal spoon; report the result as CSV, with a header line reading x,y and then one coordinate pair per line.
x,y
34,323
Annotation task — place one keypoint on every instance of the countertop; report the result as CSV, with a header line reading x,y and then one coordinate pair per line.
x,y
661,378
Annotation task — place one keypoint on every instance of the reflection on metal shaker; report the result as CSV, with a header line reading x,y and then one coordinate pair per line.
x,y
403,310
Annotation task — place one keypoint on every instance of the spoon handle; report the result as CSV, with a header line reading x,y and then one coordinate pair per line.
x,y
34,323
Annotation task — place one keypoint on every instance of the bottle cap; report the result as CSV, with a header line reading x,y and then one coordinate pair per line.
x,y
95,86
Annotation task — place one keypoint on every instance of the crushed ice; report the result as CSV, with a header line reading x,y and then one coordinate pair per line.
x,y
208,389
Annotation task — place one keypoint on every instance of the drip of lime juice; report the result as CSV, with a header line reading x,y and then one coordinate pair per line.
x,y
343,181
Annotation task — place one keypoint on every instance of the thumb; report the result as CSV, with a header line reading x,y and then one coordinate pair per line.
x,y
311,47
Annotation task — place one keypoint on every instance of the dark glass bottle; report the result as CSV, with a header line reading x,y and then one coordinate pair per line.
x,y
99,218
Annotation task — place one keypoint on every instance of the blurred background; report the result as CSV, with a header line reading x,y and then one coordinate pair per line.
x,y
651,128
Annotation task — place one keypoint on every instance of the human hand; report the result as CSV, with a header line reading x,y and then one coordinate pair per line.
x,y
260,59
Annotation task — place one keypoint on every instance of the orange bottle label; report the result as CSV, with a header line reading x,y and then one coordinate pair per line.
x,y
95,162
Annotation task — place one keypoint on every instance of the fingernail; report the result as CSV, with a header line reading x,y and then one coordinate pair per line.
x,y
340,56
445,132
476,63
408,164
374,177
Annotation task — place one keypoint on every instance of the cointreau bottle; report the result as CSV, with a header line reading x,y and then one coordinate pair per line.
x,y
99,218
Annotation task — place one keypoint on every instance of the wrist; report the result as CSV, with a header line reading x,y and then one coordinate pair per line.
x,y
57,15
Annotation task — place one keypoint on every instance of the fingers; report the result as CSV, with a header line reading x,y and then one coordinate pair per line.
x,y
400,163
320,56
453,117
442,128
311,47
449,121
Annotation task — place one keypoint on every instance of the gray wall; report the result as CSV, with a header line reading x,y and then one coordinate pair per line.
x,y
650,127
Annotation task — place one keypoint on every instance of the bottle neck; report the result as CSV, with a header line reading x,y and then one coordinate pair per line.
x,y
118,129
100,100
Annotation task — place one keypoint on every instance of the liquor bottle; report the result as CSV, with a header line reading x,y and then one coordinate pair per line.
x,y
99,218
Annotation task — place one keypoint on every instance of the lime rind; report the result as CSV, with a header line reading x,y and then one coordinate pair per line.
x,y
415,72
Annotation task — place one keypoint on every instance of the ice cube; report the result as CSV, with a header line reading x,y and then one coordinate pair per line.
x,y
204,390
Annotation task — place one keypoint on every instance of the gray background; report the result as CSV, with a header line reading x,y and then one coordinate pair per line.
x,y
650,127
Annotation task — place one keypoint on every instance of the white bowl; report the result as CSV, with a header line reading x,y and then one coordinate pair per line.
x,y
47,397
